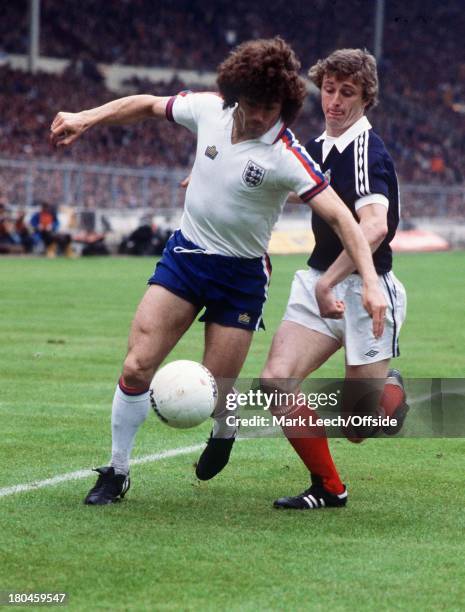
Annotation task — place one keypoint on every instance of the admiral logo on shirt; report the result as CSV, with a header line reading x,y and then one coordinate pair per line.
x,y
244,318
211,151
253,174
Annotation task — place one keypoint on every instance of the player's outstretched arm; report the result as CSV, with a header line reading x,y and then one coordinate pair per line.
x,y
67,127
330,207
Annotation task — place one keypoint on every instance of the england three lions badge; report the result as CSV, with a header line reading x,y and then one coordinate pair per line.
x,y
253,174
211,151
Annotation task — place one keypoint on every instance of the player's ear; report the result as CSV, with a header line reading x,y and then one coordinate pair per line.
x,y
365,102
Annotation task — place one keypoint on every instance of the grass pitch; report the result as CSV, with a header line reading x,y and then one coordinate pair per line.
x,y
175,544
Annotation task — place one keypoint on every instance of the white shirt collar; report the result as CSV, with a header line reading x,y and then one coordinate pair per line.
x,y
272,134
349,135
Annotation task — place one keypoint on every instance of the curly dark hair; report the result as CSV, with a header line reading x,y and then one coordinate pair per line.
x,y
264,71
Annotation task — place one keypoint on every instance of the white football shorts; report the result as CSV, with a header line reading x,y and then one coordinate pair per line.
x,y
355,330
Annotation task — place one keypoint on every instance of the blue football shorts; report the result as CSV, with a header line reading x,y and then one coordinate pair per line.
x,y
233,290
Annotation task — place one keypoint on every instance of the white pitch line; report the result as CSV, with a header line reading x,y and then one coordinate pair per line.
x,y
50,482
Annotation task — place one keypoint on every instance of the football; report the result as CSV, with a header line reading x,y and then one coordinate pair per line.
x,y
183,394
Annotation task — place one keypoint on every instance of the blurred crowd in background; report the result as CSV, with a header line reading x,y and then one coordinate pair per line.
x,y
421,115
425,138
422,39
42,231
39,232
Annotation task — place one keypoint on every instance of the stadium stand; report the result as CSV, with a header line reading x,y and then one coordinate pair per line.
x,y
421,115
428,146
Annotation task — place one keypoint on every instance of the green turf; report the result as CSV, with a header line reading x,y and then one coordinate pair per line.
x,y
175,544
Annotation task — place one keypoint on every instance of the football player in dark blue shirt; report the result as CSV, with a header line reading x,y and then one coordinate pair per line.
x,y
325,309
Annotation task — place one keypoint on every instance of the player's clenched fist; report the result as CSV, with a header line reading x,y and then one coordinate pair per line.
x,y
66,127
330,308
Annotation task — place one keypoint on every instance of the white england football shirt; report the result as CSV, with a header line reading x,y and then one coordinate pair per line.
x,y
237,191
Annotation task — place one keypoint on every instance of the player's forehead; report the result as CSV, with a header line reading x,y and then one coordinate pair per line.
x,y
334,79
267,104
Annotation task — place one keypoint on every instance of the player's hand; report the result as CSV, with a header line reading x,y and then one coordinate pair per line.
x,y
66,128
185,182
330,308
375,304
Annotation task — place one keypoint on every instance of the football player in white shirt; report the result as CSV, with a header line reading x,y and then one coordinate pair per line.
x,y
247,162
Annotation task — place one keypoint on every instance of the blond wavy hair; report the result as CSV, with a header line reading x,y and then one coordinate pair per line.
x,y
356,64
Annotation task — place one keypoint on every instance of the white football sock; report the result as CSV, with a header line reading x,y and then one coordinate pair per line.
x,y
127,415
221,429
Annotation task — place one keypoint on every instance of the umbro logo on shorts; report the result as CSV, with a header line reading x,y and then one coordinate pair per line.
x,y
211,151
253,174
371,353
244,318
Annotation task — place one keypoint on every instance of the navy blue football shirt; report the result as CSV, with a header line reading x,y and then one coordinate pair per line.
x,y
361,171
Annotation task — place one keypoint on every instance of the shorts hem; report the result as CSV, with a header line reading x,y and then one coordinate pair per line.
x,y
309,326
205,318
176,292
376,359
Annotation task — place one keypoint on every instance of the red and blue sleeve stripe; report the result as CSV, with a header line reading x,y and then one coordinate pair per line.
x,y
169,108
293,145
169,105
308,195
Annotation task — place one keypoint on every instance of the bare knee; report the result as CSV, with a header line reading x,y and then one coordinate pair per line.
x,y
276,372
137,371
276,383
277,377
